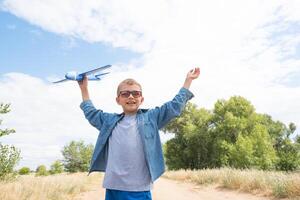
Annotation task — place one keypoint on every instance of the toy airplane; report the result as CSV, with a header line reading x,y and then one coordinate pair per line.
x,y
74,76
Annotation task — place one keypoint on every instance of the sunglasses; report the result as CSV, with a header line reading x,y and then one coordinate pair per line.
x,y
134,93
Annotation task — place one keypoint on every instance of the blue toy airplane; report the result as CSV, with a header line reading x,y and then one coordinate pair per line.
x,y
74,76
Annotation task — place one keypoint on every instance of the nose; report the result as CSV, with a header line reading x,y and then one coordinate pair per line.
x,y
130,95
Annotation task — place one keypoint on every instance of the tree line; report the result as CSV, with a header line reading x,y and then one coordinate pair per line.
x,y
77,156
232,134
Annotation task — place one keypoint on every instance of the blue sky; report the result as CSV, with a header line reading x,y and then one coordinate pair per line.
x,y
245,48
26,48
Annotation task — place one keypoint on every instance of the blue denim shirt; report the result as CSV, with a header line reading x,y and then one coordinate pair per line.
x,y
149,122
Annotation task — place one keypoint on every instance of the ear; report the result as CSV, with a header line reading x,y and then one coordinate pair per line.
x,y
142,100
118,100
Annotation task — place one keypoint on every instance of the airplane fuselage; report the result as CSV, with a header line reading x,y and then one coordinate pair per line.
x,y
78,77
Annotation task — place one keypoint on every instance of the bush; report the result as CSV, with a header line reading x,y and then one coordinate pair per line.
x,y
56,168
9,157
24,170
41,171
77,156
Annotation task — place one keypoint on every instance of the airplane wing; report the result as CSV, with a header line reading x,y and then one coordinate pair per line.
x,y
63,80
97,75
95,70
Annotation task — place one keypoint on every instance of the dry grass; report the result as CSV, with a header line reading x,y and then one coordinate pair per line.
x,y
56,187
273,184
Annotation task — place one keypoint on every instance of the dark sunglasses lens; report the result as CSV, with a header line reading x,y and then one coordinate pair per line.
x,y
125,94
136,93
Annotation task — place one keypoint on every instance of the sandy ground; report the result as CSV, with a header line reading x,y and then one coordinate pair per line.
x,y
165,189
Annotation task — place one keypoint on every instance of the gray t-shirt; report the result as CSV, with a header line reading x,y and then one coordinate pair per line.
x,y
126,165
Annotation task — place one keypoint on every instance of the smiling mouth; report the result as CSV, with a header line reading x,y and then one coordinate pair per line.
x,y
131,103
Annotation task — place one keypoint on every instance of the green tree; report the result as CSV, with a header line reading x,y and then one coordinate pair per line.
x,y
9,155
4,108
41,170
292,128
231,121
289,156
243,138
24,171
57,167
232,134
189,148
288,151
264,153
255,150
298,139
240,154
175,155
77,156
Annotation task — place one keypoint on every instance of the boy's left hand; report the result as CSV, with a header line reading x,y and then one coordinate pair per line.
x,y
193,74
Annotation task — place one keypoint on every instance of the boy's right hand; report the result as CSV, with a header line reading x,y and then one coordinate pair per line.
x,y
83,84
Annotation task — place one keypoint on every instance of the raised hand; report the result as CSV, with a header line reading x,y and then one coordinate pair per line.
x,y
83,84
193,74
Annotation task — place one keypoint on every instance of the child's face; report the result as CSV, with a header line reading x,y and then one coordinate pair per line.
x,y
130,98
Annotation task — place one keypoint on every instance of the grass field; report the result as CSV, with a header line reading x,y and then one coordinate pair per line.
x,y
67,186
271,184
56,187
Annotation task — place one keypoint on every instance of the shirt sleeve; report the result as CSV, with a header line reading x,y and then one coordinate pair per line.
x,y
93,115
173,108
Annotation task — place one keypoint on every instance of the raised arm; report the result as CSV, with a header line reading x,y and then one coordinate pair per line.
x,y
94,116
83,85
192,74
173,108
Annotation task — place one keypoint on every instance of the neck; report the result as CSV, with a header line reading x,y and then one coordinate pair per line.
x,y
130,113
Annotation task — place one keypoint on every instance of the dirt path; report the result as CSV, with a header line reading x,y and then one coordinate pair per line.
x,y
165,189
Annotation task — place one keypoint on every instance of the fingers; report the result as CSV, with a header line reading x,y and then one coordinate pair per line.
x,y
194,73
83,82
80,82
196,70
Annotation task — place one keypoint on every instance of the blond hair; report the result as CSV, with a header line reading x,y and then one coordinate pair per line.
x,y
128,81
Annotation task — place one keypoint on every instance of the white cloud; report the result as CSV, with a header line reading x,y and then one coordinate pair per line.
x,y
243,48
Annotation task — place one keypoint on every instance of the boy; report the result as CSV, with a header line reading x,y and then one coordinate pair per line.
x,y
128,147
